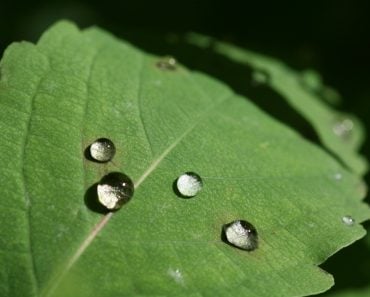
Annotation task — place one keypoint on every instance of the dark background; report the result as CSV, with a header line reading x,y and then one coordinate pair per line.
x,y
332,37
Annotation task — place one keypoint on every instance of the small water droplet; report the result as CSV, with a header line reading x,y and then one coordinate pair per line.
x,y
348,220
102,150
115,189
343,128
176,275
338,176
189,184
241,234
311,80
167,63
259,77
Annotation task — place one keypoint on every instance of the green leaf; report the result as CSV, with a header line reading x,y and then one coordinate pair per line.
x,y
75,86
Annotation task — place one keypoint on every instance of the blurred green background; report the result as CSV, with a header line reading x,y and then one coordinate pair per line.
x,y
332,37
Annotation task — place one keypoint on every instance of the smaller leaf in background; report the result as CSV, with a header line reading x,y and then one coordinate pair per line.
x,y
305,99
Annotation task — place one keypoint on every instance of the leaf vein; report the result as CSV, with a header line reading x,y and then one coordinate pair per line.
x,y
27,198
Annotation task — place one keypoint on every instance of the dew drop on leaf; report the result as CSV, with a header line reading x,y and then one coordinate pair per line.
x,y
338,176
176,275
348,220
115,189
259,77
167,63
102,150
189,184
241,234
343,128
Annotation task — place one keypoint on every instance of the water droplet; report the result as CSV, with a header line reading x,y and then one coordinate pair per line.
x,y
115,189
189,184
348,220
343,128
167,63
241,234
338,176
259,77
102,150
176,275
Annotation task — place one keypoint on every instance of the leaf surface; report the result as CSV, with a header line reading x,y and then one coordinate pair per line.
x,y
75,86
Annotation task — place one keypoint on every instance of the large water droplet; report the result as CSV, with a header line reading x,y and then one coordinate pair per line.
x,y
343,128
167,63
241,234
348,220
189,184
102,150
115,189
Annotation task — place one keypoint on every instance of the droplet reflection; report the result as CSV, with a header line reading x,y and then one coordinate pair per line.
x,y
114,190
102,150
241,234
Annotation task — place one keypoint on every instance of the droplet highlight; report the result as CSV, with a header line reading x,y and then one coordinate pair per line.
x,y
114,190
102,150
167,63
348,220
343,128
241,234
189,184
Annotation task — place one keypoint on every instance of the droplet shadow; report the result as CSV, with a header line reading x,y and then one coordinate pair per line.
x,y
176,190
92,201
223,236
88,155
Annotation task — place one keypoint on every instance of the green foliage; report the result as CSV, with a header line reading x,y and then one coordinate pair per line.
x,y
74,86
